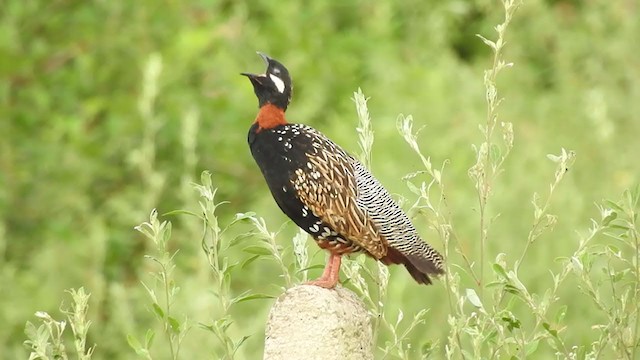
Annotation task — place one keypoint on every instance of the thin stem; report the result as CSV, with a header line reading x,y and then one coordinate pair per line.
x,y
167,326
532,233
634,234
485,170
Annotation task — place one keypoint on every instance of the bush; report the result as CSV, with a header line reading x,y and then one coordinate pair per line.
x,y
114,109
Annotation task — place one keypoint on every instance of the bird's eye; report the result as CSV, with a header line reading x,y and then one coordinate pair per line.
x,y
276,71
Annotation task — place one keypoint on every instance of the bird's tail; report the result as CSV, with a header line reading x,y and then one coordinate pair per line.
x,y
420,264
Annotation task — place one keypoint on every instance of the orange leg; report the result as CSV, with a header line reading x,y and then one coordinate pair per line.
x,y
331,273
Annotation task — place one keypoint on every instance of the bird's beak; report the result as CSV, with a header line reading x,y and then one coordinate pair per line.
x,y
264,57
253,77
249,75
256,80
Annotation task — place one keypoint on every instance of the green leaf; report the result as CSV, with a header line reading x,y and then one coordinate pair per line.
x,y
174,323
617,276
556,159
512,289
467,354
619,226
256,249
561,314
499,270
249,261
135,344
182,212
551,331
244,216
609,218
158,310
205,178
241,238
414,189
490,338
237,345
494,284
515,280
614,206
473,298
312,267
30,330
488,42
577,265
511,321
531,347
229,268
252,297
223,324
613,249
148,338
166,235
495,152
207,327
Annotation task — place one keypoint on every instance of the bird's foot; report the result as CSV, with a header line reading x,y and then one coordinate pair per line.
x,y
330,275
323,283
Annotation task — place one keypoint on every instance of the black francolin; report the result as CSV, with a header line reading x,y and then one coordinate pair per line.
x,y
327,192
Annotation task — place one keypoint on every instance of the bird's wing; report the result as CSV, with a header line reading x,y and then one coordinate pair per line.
x,y
328,187
393,224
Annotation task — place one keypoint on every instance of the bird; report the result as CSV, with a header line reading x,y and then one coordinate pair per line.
x,y
326,191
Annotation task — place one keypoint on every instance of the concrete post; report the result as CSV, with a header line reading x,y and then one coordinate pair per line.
x,y
310,322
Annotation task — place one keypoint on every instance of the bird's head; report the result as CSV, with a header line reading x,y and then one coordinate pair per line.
x,y
274,86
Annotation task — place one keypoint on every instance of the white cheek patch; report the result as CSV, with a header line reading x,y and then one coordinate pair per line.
x,y
278,82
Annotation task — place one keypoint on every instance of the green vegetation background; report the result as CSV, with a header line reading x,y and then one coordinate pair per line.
x,y
84,157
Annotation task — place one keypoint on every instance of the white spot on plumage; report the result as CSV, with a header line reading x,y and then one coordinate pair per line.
x,y
326,232
277,82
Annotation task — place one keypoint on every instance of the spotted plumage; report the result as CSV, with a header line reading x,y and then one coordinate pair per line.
x,y
327,192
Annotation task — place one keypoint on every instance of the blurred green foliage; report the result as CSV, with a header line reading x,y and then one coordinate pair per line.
x,y
84,156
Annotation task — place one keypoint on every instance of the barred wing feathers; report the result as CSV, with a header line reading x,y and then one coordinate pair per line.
x,y
340,191
327,186
405,245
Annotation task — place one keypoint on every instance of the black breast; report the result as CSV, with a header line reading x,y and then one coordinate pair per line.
x,y
279,152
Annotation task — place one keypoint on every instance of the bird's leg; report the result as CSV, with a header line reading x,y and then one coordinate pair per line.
x,y
331,273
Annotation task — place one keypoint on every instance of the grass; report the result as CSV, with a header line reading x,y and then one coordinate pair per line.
x,y
117,108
